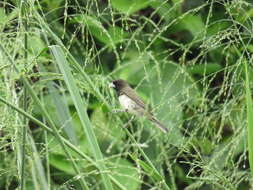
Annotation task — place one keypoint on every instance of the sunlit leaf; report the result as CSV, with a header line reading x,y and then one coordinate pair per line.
x,y
129,6
110,36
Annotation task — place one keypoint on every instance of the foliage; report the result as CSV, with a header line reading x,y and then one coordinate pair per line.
x,y
190,61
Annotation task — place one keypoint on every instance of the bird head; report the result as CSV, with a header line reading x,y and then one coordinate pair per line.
x,y
118,84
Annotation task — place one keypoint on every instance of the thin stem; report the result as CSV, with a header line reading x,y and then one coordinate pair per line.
x,y
144,155
25,105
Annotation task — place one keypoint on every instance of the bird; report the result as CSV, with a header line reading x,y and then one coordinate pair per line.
x,y
133,104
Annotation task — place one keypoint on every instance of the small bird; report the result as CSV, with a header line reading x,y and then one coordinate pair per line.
x,y
132,103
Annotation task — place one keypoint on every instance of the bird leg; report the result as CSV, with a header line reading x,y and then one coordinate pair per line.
x,y
119,110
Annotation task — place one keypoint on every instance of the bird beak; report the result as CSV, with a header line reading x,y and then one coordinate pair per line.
x,y
111,85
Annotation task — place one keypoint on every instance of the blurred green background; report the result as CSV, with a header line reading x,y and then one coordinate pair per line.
x,y
187,59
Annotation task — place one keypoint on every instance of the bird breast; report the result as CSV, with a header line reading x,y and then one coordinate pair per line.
x,y
128,104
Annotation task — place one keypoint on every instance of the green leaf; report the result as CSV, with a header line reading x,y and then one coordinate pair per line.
x,y
192,23
53,4
153,174
37,164
63,114
204,69
129,6
105,130
249,117
125,173
205,145
2,15
131,68
35,44
163,8
58,109
61,162
217,27
110,36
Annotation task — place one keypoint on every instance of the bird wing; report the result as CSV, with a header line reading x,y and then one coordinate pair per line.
x,y
134,96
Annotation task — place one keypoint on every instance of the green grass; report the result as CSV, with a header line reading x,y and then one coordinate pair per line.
x,y
81,108
190,61
249,118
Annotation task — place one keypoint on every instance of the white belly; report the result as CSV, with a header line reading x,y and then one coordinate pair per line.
x,y
128,104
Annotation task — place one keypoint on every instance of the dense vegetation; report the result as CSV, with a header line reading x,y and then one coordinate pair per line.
x,y
191,61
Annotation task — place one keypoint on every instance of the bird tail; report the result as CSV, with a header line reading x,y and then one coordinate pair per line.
x,y
158,124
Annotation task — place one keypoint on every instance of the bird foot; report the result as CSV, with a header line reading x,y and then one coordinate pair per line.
x,y
117,111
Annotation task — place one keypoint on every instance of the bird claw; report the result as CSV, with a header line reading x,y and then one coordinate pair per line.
x,y
117,111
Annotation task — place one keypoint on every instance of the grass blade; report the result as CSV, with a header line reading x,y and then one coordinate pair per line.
x,y
36,161
63,113
249,118
25,104
79,105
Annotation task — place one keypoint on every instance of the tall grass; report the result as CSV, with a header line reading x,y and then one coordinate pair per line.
x,y
81,108
249,117
184,58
